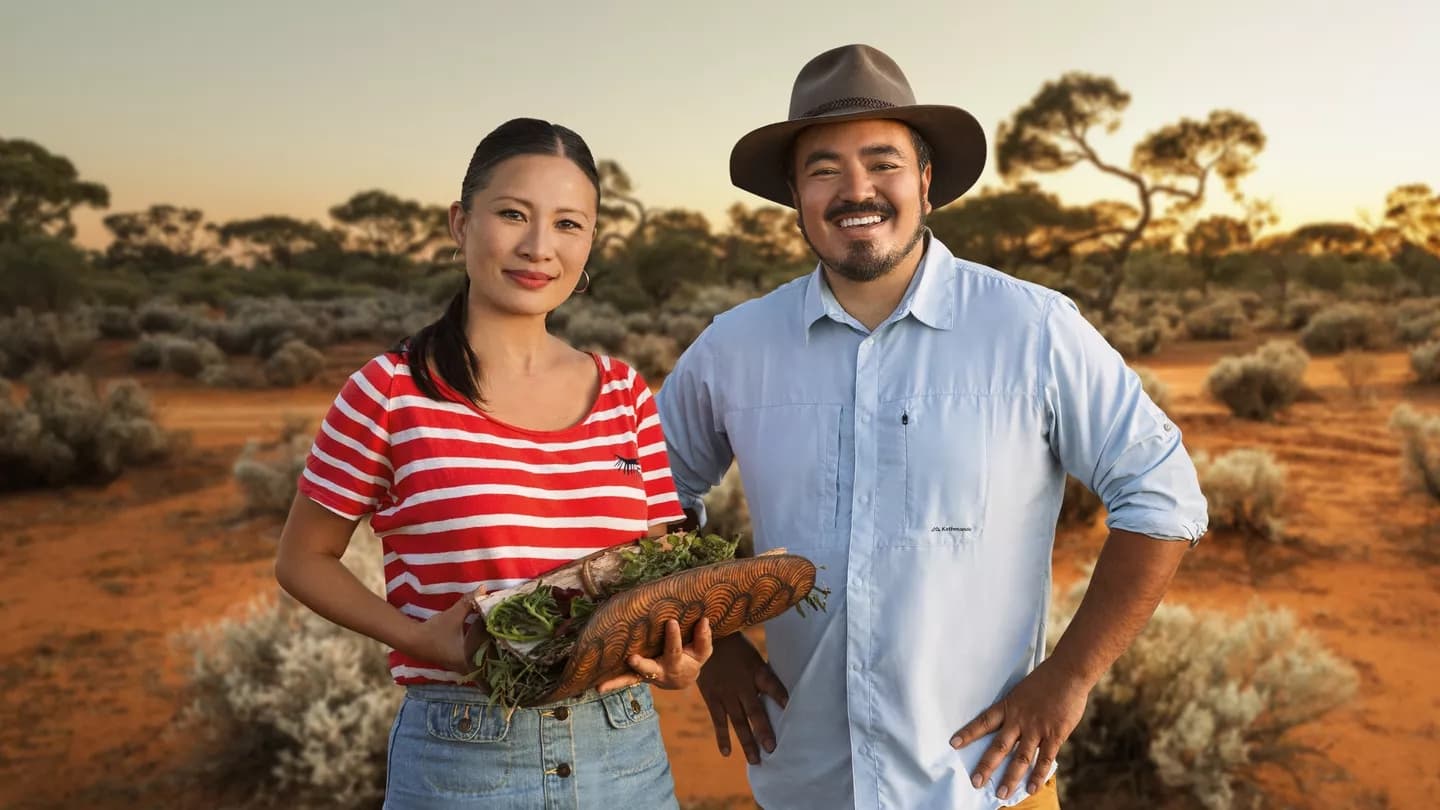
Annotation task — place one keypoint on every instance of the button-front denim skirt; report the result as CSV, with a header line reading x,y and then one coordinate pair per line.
x,y
451,748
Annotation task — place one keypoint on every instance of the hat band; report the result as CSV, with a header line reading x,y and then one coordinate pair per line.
x,y
853,102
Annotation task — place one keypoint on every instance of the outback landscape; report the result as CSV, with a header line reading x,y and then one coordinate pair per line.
x,y
159,396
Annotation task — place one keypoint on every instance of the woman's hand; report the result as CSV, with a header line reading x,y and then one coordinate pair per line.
x,y
444,640
676,668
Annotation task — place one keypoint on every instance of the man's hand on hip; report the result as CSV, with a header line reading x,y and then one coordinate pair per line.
x,y
1037,716
732,683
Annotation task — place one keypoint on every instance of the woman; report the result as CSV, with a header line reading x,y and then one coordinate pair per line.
x,y
487,452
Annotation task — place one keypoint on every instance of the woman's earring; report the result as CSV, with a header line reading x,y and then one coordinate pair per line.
x,y
586,274
455,257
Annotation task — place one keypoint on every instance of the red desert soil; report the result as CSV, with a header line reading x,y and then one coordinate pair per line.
x,y
94,582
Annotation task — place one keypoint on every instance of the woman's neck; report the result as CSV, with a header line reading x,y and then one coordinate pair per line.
x,y
509,344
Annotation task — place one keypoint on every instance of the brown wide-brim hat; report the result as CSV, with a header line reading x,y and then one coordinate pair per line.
x,y
852,83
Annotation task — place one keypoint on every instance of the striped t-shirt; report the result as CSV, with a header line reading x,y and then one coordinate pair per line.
x,y
461,500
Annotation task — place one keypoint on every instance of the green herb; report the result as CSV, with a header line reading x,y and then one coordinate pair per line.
x,y
653,560
530,616
815,599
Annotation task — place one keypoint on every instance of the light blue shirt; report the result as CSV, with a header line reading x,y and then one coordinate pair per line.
x,y
922,466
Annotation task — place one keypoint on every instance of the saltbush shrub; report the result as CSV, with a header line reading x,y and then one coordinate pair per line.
x,y
1221,319
289,709
1419,449
588,324
260,326
67,432
1345,326
653,355
1301,307
293,364
728,514
1260,384
1134,339
682,327
188,357
1154,387
1425,359
56,342
268,473
1245,490
115,321
1417,320
169,317
1195,705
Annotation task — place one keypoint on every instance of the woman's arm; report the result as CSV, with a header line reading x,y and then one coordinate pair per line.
x,y
308,567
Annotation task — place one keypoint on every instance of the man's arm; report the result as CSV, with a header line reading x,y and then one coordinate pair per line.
x,y
695,440
1042,710
736,676
1105,431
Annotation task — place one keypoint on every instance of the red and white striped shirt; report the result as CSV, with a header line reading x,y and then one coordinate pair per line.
x,y
461,500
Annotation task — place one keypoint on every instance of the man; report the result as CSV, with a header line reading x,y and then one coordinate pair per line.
x,y
905,419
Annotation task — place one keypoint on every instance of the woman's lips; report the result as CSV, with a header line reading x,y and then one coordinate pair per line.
x,y
528,279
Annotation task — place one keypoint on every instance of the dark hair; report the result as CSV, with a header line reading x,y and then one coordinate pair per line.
x,y
443,344
922,152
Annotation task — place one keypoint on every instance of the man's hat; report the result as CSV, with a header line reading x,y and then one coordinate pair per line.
x,y
851,83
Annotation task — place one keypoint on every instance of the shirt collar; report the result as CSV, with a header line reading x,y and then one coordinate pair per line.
x,y
930,297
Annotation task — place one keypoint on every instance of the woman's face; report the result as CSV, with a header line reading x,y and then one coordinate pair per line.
x,y
527,235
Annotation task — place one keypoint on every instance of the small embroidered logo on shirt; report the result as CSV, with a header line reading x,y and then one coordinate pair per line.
x,y
628,465
949,529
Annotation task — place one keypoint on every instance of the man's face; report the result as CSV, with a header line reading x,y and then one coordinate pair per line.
x,y
861,195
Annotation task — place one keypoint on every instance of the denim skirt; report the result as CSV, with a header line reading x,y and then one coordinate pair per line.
x,y
451,748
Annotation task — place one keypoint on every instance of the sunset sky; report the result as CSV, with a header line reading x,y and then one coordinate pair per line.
x,y
242,109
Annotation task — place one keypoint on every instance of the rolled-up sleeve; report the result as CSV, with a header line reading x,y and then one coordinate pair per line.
x,y
1106,431
699,450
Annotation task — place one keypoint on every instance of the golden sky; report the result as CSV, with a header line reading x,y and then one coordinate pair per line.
x,y
242,109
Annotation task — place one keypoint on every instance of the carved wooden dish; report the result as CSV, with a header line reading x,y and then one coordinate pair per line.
x,y
733,595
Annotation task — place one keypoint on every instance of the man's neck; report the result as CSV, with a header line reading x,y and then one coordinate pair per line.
x,y
871,302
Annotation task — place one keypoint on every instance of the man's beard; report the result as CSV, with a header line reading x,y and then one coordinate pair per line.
x,y
862,262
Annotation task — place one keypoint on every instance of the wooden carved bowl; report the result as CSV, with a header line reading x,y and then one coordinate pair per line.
x,y
733,595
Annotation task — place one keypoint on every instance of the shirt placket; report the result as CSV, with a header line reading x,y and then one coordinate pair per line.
x,y
860,601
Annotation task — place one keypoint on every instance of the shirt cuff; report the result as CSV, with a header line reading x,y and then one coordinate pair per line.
x,y
1159,525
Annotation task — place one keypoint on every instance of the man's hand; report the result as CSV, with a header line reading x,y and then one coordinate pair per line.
x,y
732,684
1038,715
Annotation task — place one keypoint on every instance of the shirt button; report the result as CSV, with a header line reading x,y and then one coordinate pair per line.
x,y
635,706
563,770
562,713
865,418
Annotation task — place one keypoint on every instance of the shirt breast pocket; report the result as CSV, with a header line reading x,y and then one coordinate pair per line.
x,y
789,464
947,481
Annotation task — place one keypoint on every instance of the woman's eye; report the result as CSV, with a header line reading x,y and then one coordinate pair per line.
x,y
569,224
511,213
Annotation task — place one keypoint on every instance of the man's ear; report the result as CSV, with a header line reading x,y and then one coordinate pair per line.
x,y
925,176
